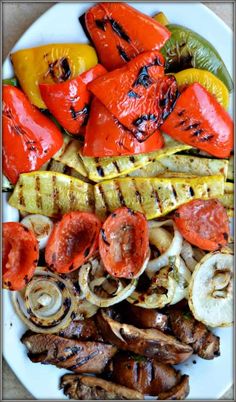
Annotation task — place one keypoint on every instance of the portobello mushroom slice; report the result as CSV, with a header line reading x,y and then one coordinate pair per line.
x,y
145,318
92,388
146,342
178,392
145,375
194,333
83,330
78,356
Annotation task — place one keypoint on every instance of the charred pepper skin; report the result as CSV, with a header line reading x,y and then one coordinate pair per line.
x,y
30,139
138,95
200,121
194,51
117,31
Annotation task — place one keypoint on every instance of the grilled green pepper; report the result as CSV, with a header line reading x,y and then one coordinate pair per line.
x,y
187,49
10,81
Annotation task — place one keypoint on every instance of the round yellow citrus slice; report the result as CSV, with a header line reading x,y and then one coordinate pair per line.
x,y
208,80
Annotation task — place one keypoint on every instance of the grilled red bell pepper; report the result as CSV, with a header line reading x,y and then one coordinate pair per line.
x,y
69,101
105,136
138,94
120,33
199,120
29,138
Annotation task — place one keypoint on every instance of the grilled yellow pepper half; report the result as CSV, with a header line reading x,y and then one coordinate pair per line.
x,y
208,80
50,63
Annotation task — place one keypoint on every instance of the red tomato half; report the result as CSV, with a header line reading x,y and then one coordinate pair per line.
x,y
105,136
203,223
73,241
69,101
123,243
20,255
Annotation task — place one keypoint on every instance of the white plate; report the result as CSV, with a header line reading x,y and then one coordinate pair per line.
x,y
208,379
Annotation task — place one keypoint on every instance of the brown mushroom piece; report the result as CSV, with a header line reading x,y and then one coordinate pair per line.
x,y
74,355
178,392
145,318
84,330
93,388
143,374
194,333
147,342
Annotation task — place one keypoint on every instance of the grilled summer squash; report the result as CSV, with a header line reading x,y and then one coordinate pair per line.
x,y
154,197
51,194
189,165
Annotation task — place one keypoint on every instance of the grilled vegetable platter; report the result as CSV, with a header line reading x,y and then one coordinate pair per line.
x,y
118,197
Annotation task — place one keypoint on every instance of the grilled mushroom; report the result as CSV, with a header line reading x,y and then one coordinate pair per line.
x,y
146,342
178,392
145,318
93,388
145,375
81,357
194,333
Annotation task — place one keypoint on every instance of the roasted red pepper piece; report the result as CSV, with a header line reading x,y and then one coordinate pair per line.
x,y
105,136
29,138
138,94
199,120
69,101
120,33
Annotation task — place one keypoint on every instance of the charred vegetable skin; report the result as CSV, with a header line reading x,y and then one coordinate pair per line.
x,y
52,63
138,94
187,49
29,138
69,101
18,241
105,136
199,120
117,31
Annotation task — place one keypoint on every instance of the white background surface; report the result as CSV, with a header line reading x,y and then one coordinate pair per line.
x,y
61,25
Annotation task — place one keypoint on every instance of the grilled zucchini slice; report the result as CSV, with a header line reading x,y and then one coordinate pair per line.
x,y
189,165
51,194
100,169
230,175
69,155
228,198
154,197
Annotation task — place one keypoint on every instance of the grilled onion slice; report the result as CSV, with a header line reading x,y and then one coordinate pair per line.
x,y
211,290
169,246
48,302
104,283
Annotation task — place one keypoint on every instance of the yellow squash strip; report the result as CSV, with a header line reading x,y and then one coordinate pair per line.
x,y
100,169
59,167
51,194
154,197
230,175
228,198
183,164
69,155
50,63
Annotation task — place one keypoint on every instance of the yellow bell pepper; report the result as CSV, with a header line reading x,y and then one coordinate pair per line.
x,y
208,80
161,18
50,63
